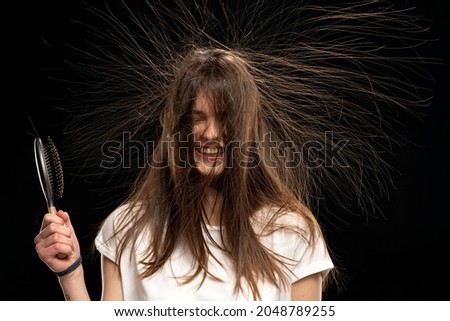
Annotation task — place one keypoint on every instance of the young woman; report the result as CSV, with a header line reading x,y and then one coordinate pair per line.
x,y
258,113
213,216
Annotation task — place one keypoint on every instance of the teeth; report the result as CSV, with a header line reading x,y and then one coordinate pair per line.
x,y
210,150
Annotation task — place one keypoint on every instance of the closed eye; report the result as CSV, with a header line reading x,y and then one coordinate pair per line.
x,y
198,116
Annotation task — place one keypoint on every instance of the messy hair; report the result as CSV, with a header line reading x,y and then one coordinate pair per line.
x,y
169,195
312,90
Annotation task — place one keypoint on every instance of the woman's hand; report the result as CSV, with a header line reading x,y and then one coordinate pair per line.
x,y
56,243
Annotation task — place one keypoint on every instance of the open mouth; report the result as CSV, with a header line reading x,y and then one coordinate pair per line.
x,y
210,153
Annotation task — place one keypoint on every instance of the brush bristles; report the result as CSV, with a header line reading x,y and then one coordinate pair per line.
x,y
54,167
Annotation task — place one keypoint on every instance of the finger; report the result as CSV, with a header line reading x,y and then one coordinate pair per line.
x,y
52,210
49,219
54,246
56,238
65,217
68,223
61,250
54,228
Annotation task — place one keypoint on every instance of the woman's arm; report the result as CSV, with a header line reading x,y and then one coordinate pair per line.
x,y
307,289
74,286
111,280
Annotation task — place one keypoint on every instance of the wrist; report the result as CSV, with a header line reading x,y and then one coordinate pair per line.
x,y
73,285
73,276
75,265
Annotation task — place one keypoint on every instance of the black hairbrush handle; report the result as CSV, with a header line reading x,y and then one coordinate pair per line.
x,y
43,170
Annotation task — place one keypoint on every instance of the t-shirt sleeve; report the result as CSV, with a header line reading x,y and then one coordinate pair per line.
x,y
106,242
310,259
301,257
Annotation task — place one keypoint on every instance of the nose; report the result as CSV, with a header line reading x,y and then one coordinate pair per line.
x,y
212,130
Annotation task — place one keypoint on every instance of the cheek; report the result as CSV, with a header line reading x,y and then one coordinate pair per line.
x,y
225,134
196,131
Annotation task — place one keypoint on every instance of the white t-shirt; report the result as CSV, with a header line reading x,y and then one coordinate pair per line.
x,y
164,285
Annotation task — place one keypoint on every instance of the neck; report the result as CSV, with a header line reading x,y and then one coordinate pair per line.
x,y
212,206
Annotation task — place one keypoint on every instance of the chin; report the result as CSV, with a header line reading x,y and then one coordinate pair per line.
x,y
213,173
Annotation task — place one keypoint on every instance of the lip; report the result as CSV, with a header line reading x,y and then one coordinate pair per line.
x,y
210,153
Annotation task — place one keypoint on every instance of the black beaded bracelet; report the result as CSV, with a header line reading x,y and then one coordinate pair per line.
x,y
70,268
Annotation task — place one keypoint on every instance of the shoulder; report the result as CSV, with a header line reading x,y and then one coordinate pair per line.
x,y
296,239
288,231
282,231
115,217
113,229
272,218
117,222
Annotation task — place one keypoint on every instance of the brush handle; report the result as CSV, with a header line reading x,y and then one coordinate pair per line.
x,y
43,172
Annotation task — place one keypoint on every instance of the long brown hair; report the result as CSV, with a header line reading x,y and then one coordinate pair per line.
x,y
169,194
323,84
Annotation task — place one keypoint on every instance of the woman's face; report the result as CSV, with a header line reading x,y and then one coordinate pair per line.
x,y
209,149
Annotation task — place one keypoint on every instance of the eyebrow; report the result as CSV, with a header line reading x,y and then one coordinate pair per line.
x,y
202,114
198,113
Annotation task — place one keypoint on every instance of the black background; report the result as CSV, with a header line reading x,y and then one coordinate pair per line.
x,y
401,256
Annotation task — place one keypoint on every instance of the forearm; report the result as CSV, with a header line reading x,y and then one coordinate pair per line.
x,y
74,287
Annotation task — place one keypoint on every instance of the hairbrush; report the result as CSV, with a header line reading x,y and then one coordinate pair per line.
x,y
50,172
